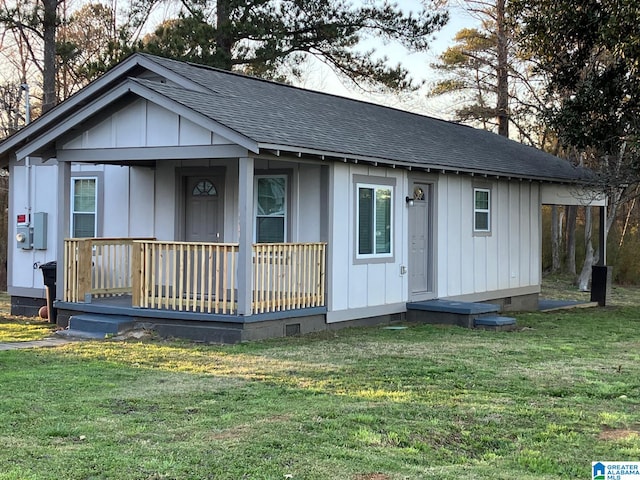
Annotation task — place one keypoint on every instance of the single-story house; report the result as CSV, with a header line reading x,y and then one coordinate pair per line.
x,y
224,207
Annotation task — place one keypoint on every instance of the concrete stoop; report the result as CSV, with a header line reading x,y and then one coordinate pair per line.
x,y
91,325
464,314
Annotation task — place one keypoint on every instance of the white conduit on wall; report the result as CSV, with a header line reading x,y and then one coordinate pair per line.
x,y
27,160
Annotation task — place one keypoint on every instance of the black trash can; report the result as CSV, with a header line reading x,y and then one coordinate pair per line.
x,y
601,284
49,272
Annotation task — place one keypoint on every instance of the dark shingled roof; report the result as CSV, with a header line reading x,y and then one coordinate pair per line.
x,y
289,117
280,117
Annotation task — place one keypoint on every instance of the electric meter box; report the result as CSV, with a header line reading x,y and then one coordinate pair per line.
x,y
24,236
32,235
40,230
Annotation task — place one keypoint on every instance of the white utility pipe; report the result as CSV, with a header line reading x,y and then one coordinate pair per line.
x,y
27,160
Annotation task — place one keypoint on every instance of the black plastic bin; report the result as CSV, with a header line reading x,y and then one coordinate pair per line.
x,y
601,284
49,272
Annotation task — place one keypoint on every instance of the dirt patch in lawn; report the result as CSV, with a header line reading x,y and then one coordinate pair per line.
x,y
613,434
245,429
371,476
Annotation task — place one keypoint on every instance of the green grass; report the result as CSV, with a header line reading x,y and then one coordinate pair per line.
x,y
562,287
360,404
20,329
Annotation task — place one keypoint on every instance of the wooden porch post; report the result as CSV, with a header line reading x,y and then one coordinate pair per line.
x,y
85,251
136,274
245,240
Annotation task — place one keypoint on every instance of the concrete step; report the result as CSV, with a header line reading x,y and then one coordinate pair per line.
x,y
451,306
81,334
449,312
495,322
92,325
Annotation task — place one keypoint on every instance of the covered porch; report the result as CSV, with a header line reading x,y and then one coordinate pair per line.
x,y
189,277
199,234
226,277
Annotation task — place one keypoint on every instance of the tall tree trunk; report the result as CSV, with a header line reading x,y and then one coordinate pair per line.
x,y
502,87
49,63
627,219
589,259
224,40
570,265
557,218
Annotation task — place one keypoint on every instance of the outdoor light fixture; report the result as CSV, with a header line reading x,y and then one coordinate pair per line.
x,y
409,201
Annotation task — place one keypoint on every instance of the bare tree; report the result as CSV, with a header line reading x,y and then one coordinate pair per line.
x,y
502,69
49,25
83,39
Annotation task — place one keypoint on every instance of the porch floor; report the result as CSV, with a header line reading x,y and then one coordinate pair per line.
x,y
102,315
122,305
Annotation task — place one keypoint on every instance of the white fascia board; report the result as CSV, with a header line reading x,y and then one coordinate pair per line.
x,y
73,120
132,86
90,91
350,157
182,152
553,194
327,153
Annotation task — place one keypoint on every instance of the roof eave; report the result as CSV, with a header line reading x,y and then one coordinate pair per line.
x,y
278,150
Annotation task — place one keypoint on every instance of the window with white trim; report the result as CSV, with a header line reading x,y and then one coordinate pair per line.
x,y
481,210
271,208
374,213
84,204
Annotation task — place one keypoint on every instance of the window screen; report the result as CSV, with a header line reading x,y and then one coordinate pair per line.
x,y
374,220
83,208
482,218
271,209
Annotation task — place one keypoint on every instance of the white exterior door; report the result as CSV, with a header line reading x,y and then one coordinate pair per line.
x,y
204,209
203,224
420,244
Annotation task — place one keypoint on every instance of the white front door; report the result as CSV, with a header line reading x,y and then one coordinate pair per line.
x,y
420,244
204,209
204,219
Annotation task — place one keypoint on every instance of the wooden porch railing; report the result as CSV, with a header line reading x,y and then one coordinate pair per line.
x,y
194,277
98,267
288,276
185,276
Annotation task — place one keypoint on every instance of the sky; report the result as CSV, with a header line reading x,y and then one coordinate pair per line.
x,y
319,77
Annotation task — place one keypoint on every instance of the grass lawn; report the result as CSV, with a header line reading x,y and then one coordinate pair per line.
x,y
20,329
435,402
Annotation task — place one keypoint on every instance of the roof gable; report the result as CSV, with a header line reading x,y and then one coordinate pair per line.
x,y
41,143
135,65
141,123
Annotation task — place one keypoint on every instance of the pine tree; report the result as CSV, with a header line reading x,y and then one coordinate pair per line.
x,y
264,36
